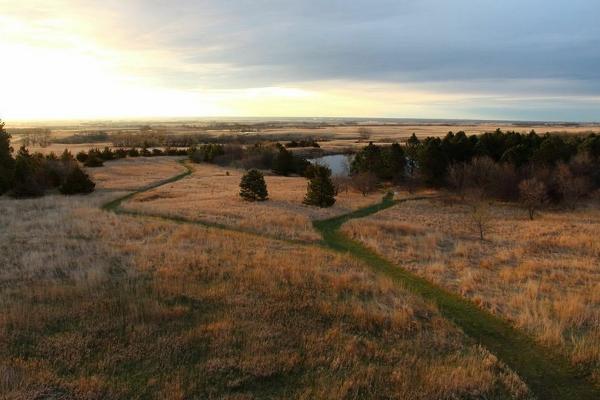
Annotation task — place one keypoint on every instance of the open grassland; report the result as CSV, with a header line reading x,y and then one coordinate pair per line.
x,y
134,173
100,306
336,136
543,275
211,194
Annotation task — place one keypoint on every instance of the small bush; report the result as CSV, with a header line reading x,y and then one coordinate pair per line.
x,y
93,161
82,156
106,154
120,153
28,177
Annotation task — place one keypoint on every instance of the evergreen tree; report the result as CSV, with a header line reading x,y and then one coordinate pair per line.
x,y
283,164
321,191
7,162
396,162
432,161
26,177
369,159
77,182
82,156
66,156
412,151
106,154
253,186
93,160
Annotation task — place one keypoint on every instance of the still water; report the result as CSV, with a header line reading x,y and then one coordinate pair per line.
x,y
339,164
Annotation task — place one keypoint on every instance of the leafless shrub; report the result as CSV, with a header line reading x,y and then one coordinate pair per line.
x,y
37,137
572,188
457,178
533,195
341,184
364,133
365,182
480,213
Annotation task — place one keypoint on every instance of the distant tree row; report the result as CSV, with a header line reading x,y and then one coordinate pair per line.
x,y
269,156
31,175
96,157
302,143
435,155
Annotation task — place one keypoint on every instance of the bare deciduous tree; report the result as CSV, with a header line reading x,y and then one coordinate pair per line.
x,y
341,184
457,178
571,188
480,211
533,195
364,133
365,182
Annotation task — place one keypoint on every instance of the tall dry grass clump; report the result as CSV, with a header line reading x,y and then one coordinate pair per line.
x,y
542,274
97,306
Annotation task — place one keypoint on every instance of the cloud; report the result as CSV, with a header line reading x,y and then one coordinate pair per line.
x,y
520,57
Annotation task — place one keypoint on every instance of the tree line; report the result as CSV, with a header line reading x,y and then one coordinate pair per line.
x,y
31,175
503,165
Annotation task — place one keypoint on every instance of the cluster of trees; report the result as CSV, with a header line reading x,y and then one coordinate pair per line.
x,y
36,137
320,191
386,163
434,156
502,165
148,136
31,175
302,143
269,156
96,157
84,137
206,152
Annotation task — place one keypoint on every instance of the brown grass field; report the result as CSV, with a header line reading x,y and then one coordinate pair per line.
x,y
340,136
100,306
543,275
134,173
211,195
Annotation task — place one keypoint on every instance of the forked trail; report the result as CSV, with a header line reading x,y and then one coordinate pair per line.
x,y
546,371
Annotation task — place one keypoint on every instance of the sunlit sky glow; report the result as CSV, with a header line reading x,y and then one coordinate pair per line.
x,y
479,59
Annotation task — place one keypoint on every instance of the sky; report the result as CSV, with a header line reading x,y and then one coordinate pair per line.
x,y
464,59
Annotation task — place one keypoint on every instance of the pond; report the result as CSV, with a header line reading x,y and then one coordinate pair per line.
x,y
339,164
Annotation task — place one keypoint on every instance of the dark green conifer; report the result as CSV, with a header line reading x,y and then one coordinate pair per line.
x,y
320,192
77,182
7,162
253,186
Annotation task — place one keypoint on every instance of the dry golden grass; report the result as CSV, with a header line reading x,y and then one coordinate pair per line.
x,y
98,306
543,275
342,137
211,195
135,173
